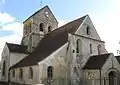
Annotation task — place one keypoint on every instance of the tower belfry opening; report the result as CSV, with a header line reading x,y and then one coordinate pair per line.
x,y
41,22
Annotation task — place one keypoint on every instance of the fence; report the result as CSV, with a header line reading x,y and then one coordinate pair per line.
x,y
82,81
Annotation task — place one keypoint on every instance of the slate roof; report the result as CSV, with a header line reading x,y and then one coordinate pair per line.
x,y
96,61
17,48
50,43
118,58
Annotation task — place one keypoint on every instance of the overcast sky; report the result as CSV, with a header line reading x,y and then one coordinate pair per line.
x,y
105,15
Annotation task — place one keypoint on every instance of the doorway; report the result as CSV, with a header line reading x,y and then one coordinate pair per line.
x,y
112,78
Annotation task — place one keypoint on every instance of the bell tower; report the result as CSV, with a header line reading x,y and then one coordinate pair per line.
x,y
36,26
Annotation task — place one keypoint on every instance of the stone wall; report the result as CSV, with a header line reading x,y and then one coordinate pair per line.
x,y
5,59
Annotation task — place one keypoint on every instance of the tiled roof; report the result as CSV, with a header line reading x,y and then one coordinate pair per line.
x,y
96,61
17,48
50,43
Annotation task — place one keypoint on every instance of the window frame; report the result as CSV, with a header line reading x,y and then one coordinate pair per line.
x,y
50,72
49,28
77,48
99,49
88,30
4,68
90,48
13,73
30,73
21,74
41,27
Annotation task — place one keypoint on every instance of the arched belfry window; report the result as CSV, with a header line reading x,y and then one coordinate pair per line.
x,y
30,72
20,74
99,49
50,72
3,72
41,26
49,28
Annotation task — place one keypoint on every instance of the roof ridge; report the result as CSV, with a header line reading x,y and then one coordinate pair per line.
x,y
35,13
66,24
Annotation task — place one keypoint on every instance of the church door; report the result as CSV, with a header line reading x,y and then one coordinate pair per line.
x,y
112,78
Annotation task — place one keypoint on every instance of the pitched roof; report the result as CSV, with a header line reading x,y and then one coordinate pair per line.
x,y
96,61
39,11
17,48
118,58
50,43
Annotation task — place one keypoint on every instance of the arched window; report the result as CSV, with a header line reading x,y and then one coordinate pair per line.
x,y
49,28
99,49
20,74
90,48
30,72
112,78
50,72
4,67
79,46
41,26
88,30
13,73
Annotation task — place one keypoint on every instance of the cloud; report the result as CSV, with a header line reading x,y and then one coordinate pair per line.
x,y
61,22
6,18
8,23
107,25
15,27
3,1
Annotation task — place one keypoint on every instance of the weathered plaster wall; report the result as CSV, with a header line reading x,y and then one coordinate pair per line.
x,y
16,57
25,79
5,58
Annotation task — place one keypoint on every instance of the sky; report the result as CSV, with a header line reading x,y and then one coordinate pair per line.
x,y
105,15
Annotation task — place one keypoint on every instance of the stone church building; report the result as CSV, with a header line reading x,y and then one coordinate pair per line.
x,y
72,54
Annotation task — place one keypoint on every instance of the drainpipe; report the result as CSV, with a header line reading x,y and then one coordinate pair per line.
x,y
100,75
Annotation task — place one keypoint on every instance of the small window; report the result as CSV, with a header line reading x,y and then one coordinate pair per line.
x,y
77,48
50,72
4,68
30,73
20,74
88,30
49,28
90,48
13,73
41,26
99,49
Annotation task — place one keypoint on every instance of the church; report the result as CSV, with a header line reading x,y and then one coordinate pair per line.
x,y
72,54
